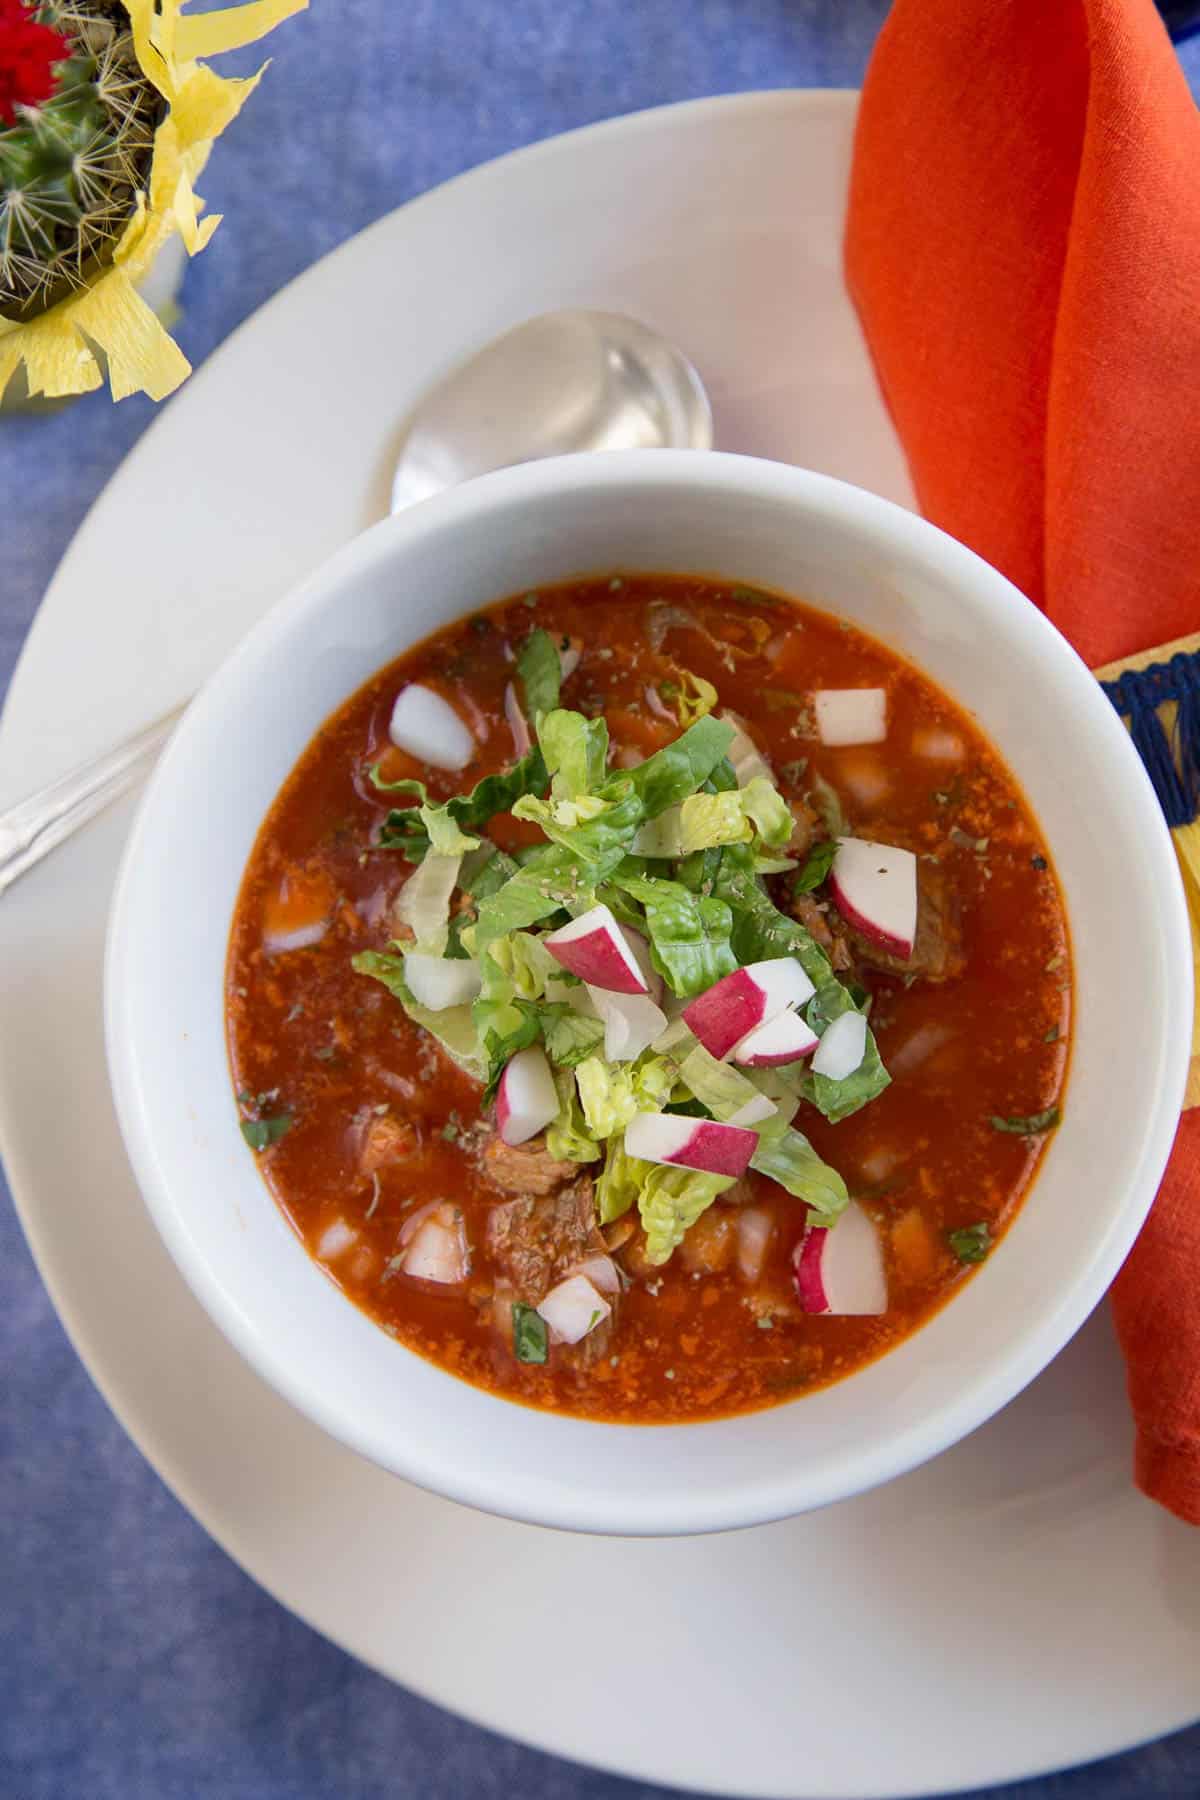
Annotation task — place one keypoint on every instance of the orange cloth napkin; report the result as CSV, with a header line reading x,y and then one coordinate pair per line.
x,y
1023,247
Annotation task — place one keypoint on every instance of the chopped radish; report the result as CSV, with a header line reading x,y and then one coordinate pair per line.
x,y
748,761
602,1272
754,1111
783,1039
429,728
864,780
632,1022
723,1014
851,715
936,744
572,1309
569,652
754,1228
700,1144
278,943
441,981
641,956
335,1240
839,1268
842,1047
526,1100
594,947
874,887
517,722
438,1250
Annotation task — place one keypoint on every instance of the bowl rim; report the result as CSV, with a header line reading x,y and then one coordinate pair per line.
x,y
737,1502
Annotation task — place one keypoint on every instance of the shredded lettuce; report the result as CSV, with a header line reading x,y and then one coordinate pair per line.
x,y
619,1182
786,1156
413,829
706,820
424,902
611,1093
547,882
689,933
691,696
454,1027
527,963
670,1200
576,752
567,1138
569,1035
717,1085
677,770
540,669
767,810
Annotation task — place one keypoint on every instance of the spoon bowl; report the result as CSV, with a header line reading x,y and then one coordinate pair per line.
x,y
564,381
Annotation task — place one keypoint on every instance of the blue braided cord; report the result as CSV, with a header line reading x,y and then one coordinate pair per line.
x,y
1173,767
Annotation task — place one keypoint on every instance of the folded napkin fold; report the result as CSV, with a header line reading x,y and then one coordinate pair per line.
x,y
1023,247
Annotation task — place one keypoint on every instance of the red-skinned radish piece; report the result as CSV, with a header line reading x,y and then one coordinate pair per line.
x,y
851,715
594,947
572,1309
526,1099
441,981
839,1268
874,887
429,728
687,1143
842,1047
784,1039
632,1022
726,1012
754,1111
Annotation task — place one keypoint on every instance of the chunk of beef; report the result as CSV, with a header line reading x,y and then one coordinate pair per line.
x,y
937,953
524,1169
826,927
709,1245
537,1240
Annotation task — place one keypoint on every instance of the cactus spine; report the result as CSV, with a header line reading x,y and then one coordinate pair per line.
x,y
71,166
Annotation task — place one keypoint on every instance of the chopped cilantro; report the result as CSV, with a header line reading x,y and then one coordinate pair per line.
x,y
1051,1036
765,1322
260,1134
1031,1126
972,1243
531,1341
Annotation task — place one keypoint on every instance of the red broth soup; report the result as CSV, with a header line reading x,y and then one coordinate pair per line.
x,y
649,998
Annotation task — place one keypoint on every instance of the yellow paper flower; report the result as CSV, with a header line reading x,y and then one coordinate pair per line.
x,y
106,318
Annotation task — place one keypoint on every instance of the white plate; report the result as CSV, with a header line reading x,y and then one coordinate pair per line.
x,y
1014,1606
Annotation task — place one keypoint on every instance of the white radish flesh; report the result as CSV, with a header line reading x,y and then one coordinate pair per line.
x,y
754,1111
594,947
640,951
936,744
438,1249
335,1240
723,1014
279,943
874,887
842,1047
851,715
754,1228
572,1309
517,723
423,903
441,981
429,728
526,1100
632,1022
569,652
602,1272
784,1039
840,1269
701,1144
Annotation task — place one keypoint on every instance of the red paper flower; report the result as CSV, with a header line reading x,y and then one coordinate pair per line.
x,y
29,53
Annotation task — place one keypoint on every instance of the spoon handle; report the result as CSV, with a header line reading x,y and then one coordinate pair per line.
x,y
34,827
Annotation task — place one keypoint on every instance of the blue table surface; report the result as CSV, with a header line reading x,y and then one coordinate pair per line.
x,y
138,1662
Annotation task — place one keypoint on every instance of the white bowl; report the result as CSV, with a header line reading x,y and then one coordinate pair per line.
x,y
763,523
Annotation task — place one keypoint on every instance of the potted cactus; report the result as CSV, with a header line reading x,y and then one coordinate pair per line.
x,y
107,114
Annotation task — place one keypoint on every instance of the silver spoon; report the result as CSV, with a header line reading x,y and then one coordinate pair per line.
x,y
569,380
